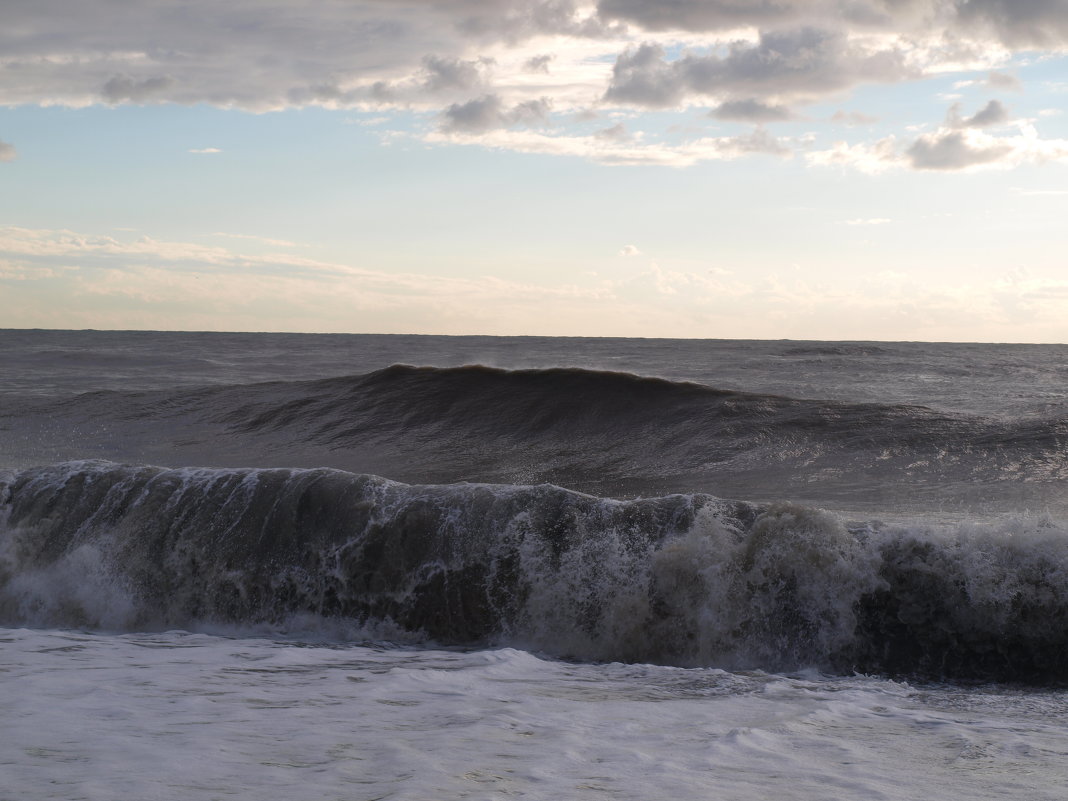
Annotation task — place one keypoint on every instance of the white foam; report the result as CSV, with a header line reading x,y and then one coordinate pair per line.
x,y
193,717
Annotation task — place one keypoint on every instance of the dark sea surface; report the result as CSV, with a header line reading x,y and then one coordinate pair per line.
x,y
798,548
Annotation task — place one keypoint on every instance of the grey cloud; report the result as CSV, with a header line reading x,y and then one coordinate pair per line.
x,y
474,116
257,56
516,20
802,61
951,150
710,15
1019,23
642,77
538,63
696,15
122,88
615,133
993,113
1003,80
243,53
7,152
758,141
489,112
751,111
444,74
802,64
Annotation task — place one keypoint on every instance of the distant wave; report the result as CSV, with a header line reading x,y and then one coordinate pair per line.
x,y
840,349
682,579
605,432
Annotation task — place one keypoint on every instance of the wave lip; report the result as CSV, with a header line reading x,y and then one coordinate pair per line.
x,y
680,579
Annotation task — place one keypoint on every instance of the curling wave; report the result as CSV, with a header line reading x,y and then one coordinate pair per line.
x,y
685,579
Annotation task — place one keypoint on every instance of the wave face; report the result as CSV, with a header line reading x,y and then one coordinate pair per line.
x,y
607,433
682,579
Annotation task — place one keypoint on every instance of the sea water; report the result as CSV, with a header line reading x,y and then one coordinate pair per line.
x,y
280,566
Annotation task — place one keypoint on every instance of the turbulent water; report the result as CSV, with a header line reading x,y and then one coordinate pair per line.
x,y
434,567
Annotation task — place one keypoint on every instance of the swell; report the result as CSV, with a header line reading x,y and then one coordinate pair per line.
x,y
683,579
591,420
602,432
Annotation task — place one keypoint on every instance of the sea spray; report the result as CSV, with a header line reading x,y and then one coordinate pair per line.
x,y
681,579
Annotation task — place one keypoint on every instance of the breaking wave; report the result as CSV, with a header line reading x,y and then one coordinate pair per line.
x,y
686,579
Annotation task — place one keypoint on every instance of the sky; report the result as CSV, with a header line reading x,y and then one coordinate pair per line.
x,y
803,169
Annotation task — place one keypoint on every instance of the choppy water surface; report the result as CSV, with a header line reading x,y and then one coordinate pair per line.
x,y
435,567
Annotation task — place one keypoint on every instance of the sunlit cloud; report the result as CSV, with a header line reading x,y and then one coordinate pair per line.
x,y
515,64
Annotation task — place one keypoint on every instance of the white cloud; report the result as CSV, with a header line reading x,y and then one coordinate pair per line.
x,y
280,243
205,150
104,282
958,145
183,284
871,158
948,149
630,250
614,151
868,221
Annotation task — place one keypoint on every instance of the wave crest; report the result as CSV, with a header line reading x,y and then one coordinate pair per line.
x,y
681,579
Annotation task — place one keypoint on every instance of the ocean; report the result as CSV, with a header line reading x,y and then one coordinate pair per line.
x,y
294,566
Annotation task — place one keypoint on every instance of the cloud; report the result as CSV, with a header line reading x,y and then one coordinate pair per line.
x,y
990,115
489,112
205,150
479,66
630,250
868,221
538,63
611,150
122,89
103,282
281,243
187,285
7,152
614,133
853,118
1003,80
960,143
1018,23
956,150
641,77
871,158
800,65
751,111
446,74
714,15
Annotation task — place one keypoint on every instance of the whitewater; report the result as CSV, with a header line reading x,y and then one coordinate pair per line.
x,y
364,567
